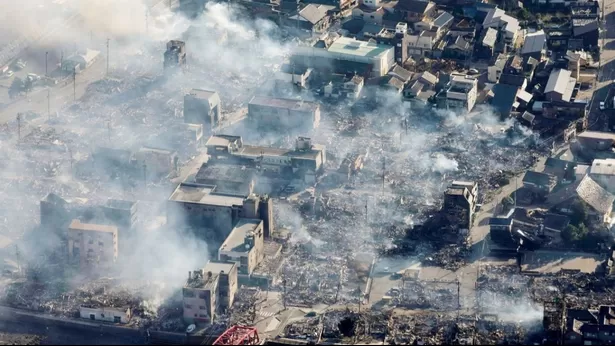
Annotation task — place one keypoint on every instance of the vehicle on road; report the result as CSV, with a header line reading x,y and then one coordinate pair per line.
x,y
602,105
20,64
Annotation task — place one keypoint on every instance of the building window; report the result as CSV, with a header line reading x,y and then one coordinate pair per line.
x,y
117,319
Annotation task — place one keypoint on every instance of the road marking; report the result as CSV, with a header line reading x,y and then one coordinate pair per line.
x,y
266,313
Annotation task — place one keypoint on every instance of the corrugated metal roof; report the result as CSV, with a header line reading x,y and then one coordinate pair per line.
x,y
534,42
558,81
603,167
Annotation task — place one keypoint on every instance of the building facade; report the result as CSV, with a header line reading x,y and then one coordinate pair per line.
x,y
106,314
277,113
244,246
203,107
92,245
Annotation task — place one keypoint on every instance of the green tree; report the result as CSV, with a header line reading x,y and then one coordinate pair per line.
x,y
579,213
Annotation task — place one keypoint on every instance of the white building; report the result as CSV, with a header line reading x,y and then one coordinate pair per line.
x,y
244,246
380,57
461,92
106,314
498,19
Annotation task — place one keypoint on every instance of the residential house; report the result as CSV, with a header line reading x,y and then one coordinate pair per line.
x,y
596,141
588,191
343,8
560,86
441,24
457,48
413,11
393,83
500,231
514,65
485,45
588,31
541,183
535,45
400,73
398,39
578,60
603,172
463,27
553,225
562,169
503,99
428,79
314,18
420,46
518,81
498,19
371,15
590,327
461,92
292,74
496,67
523,99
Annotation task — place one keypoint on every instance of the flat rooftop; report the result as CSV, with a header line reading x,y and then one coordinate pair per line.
x,y
596,135
255,151
224,172
218,267
204,282
201,93
92,227
350,46
284,103
203,194
221,140
235,241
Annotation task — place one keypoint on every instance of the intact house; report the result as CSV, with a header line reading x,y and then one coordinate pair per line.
x,y
371,15
496,67
498,19
590,327
422,87
603,172
587,31
420,46
457,48
397,79
588,191
591,142
560,86
535,45
540,183
485,46
413,11
442,23
461,92
314,18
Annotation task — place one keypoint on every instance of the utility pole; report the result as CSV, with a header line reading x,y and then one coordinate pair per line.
x,y
383,171
109,130
48,103
70,156
360,297
75,83
17,259
107,57
46,59
458,295
18,128
284,294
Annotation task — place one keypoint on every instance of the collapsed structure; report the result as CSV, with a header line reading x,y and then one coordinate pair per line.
x,y
175,55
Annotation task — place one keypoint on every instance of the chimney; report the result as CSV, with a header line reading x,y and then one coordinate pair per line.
x,y
190,275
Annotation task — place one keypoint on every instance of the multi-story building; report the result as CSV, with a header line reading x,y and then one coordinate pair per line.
x,y
202,107
305,160
92,245
175,55
215,214
461,92
244,246
283,114
460,202
398,39
209,291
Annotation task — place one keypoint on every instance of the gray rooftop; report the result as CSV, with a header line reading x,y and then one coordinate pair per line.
x,y
558,81
534,42
218,267
235,240
443,19
594,195
315,13
490,35
202,93
284,103
203,194
224,172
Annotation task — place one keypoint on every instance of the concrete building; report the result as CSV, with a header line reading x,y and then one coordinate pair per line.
x,y
228,178
92,245
200,297
560,85
461,92
348,55
399,39
203,107
156,162
292,74
106,313
460,203
283,114
596,141
244,246
175,55
215,214
306,160
209,291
